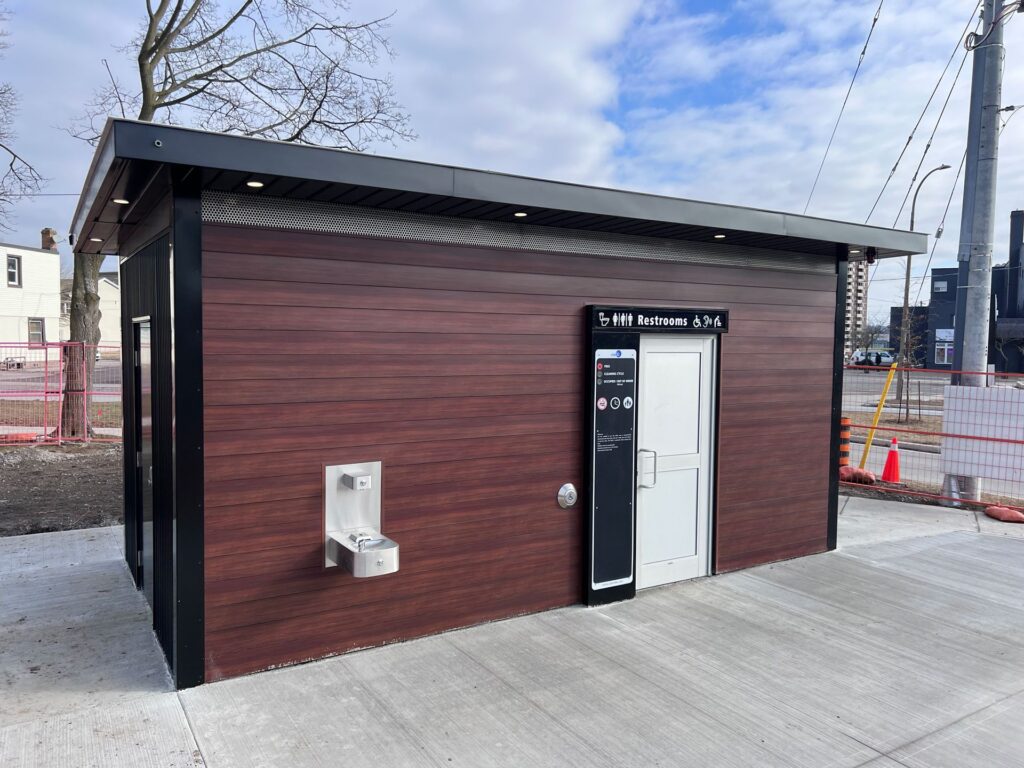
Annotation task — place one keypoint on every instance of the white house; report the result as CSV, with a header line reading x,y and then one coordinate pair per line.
x,y
109,291
30,292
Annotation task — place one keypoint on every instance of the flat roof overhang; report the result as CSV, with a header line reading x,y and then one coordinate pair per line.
x,y
132,160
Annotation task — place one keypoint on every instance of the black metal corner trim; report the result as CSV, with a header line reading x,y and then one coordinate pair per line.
x,y
716,416
186,284
842,268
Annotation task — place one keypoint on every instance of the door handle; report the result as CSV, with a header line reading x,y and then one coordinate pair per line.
x,y
655,453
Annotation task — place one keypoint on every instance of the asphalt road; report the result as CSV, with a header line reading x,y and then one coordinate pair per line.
x,y
28,384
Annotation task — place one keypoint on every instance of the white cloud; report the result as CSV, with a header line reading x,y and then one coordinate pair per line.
x,y
764,149
734,105
510,86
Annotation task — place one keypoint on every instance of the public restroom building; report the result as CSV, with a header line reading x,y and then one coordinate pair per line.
x,y
370,399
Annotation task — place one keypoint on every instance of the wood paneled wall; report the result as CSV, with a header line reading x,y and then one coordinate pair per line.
x,y
461,368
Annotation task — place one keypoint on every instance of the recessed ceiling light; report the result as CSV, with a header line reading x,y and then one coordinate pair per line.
x,y
119,201
519,214
254,184
95,239
719,237
855,250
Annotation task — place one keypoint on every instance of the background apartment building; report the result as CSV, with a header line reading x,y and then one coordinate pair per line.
x,y
856,306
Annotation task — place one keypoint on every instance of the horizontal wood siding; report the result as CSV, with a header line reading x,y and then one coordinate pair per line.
x,y
461,368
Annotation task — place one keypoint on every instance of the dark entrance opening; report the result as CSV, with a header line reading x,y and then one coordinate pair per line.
x,y
149,524
144,454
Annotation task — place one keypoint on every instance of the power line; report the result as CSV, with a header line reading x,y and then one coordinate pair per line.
x,y
931,138
935,241
942,223
976,41
919,277
924,111
860,60
935,128
42,194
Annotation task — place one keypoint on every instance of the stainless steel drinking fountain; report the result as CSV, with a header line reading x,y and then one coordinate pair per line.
x,y
352,535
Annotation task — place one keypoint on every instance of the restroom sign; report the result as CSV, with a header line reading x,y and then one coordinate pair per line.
x,y
654,320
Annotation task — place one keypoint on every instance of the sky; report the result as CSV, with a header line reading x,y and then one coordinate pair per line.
x,y
730,101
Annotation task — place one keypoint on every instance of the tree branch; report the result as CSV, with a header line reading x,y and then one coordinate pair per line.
x,y
114,86
216,33
283,69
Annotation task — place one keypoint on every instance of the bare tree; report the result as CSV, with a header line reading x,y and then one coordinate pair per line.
x,y
869,334
278,69
290,70
17,177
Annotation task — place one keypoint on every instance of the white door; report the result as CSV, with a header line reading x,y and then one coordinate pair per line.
x,y
674,458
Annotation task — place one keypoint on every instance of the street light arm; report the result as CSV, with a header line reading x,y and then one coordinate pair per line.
x,y
913,204
904,353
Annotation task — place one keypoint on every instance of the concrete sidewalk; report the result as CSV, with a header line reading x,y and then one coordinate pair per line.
x,y
902,648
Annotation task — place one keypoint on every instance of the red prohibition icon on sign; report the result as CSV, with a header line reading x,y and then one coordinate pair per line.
x,y
600,366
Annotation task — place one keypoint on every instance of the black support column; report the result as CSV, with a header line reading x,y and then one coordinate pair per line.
x,y
842,269
187,317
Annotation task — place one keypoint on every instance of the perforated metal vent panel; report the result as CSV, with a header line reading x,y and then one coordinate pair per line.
x,y
257,211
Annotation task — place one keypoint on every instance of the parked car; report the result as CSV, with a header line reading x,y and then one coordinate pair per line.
x,y
872,357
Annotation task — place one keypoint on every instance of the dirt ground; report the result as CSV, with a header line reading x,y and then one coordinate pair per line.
x,y
924,424
51,488
906,494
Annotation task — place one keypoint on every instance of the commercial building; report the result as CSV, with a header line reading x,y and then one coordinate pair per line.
x,y
917,336
372,399
1007,338
1006,335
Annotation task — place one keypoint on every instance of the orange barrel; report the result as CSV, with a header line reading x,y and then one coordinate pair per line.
x,y
844,441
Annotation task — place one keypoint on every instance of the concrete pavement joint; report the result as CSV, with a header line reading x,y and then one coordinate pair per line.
x,y
948,726
533,704
685,702
368,689
191,728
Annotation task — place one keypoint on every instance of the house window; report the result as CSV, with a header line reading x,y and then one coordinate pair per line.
x,y
14,271
36,331
943,353
940,286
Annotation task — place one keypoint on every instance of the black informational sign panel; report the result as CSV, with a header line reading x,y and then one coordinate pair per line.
x,y
613,351
613,467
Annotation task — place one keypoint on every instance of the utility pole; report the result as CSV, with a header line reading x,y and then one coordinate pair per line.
x,y
977,221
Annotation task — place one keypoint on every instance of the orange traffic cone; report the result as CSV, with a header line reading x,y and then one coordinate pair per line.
x,y
891,472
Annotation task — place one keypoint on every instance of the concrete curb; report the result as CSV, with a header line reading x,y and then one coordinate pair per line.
x,y
879,442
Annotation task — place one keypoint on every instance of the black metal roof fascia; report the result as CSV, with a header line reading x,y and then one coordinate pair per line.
x,y
135,140
102,160
187,146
